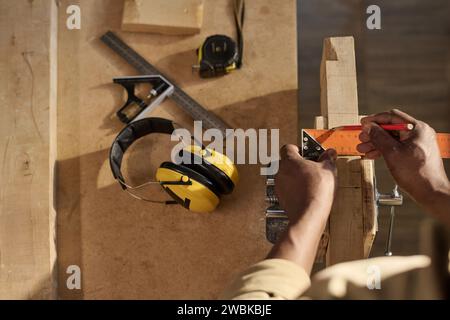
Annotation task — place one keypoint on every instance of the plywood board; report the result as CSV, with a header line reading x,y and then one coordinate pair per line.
x,y
131,249
27,149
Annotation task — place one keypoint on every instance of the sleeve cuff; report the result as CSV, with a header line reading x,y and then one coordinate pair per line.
x,y
270,279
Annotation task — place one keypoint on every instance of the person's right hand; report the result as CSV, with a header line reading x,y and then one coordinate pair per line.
x,y
413,158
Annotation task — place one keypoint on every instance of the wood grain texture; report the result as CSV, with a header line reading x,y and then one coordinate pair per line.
x,y
319,123
162,16
131,249
27,149
370,209
339,94
352,217
346,219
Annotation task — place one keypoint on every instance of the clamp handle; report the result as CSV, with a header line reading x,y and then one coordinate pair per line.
x,y
392,199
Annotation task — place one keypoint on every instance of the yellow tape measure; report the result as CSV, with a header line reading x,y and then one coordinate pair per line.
x,y
345,142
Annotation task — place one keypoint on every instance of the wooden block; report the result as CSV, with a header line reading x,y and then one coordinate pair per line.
x,y
319,123
352,224
339,102
161,16
27,147
363,177
370,220
346,220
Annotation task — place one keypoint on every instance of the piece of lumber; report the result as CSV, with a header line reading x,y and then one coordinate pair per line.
x,y
319,123
161,16
352,221
370,210
338,94
370,221
27,149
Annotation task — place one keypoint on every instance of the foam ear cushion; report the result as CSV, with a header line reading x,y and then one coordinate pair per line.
x,y
207,169
197,176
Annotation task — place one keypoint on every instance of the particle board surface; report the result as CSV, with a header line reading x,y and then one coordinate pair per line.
x,y
162,16
27,149
132,249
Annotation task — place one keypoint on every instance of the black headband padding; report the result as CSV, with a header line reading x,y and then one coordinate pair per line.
x,y
129,135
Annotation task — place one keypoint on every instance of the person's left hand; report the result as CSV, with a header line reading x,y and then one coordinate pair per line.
x,y
305,190
304,186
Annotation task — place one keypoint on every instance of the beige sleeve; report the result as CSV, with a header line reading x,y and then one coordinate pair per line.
x,y
269,279
392,277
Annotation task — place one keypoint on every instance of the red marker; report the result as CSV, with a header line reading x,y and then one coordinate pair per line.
x,y
388,127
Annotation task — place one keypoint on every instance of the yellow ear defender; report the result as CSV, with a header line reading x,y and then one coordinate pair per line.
x,y
197,183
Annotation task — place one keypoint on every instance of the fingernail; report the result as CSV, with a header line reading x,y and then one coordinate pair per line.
x,y
366,128
333,154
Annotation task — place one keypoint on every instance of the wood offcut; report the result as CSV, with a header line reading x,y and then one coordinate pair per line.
x,y
162,16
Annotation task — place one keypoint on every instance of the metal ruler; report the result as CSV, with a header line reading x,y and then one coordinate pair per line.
x,y
196,110
345,142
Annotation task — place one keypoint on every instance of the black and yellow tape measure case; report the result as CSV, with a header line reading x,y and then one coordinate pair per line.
x,y
217,56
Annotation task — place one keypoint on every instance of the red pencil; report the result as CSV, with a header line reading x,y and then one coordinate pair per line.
x,y
388,127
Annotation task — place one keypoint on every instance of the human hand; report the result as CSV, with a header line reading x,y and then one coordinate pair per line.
x,y
306,187
413,158
305,190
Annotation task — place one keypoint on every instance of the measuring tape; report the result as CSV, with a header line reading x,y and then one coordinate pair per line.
x,y
345,142
219,54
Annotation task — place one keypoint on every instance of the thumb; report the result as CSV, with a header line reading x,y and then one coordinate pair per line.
x,y
328,157
381,139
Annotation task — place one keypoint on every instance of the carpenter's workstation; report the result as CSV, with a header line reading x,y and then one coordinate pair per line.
x,y
92,206
127,248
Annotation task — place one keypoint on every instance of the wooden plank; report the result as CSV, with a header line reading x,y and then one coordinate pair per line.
x,y
351,223
338,95
27,149
346,218
132,249
319,123
370,210
162,16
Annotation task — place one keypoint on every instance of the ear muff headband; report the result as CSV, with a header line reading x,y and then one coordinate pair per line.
x,y
216,174
129,135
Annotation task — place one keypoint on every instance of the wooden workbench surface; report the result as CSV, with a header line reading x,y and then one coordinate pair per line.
x,y
27,149
132,249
